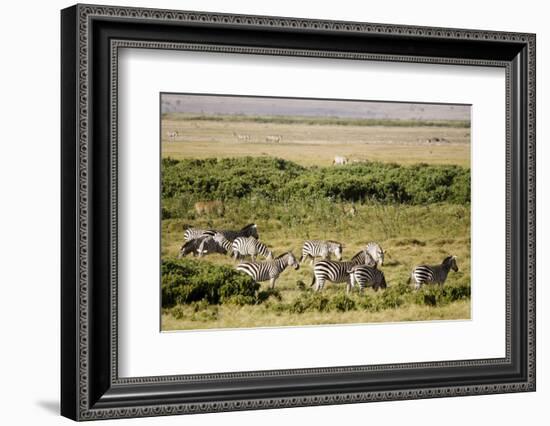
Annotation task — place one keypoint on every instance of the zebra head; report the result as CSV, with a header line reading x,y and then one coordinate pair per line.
x,y
450,262
336,248
291,261
186,248
376,252
219,237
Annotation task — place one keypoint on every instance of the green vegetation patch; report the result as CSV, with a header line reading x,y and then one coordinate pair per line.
x,y
279,180
187,281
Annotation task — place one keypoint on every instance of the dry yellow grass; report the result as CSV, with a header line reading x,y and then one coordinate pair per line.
x,y
257,316
316,144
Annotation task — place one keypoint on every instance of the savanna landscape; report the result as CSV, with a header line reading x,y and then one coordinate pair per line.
x,y
401,180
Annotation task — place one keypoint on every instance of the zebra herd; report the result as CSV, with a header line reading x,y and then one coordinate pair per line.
x,y
362,270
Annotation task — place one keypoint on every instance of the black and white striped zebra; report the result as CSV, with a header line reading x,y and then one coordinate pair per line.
x,y
194,233
376,252
250,230
209,245
337,272
322,249
224,242
250,246
367,276
269,269
433,274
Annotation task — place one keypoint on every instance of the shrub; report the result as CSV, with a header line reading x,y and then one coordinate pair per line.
x,y
185,281
342,303
274,179
307,302
435,295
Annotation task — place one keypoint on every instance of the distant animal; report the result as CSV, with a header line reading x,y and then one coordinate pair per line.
x,y
433,274
351,211
337,272
242,137
173,135
376,252
209,207
274,138
269,269
435,140
340,161
194,233
209,245
366,276
250,230
322,249
250,246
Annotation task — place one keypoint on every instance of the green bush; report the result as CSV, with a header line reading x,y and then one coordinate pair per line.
x,y
342,303
310,301
185,281
436,295
274,179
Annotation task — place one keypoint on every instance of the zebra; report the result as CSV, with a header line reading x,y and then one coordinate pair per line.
x,y
269,269
250,246
376,252
436,274
274,138
173,135
250,230
367,276
242,137
337,272
223,242
194,233
209,244
340,161
321,248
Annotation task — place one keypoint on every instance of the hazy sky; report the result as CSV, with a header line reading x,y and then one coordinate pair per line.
x,y
207,104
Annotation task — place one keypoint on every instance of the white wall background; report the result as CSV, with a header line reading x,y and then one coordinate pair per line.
x,y
29,213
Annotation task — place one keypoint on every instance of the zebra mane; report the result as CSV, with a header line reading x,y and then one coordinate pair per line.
x,y
358,254
282,255
250,225
447,259
334,242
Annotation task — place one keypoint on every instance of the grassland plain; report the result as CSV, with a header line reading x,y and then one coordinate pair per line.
x,y
316,142
411,232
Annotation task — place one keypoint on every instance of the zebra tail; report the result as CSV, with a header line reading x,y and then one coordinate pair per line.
x,y
409,280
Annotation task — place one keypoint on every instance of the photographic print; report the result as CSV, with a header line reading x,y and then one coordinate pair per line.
x,y
301,212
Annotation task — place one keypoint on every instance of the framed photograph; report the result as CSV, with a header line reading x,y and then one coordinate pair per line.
x,y
263,212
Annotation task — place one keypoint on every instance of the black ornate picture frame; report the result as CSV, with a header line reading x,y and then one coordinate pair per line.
x,y
91,387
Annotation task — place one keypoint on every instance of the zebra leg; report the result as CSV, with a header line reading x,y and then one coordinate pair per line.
x,y
320,284
272,282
